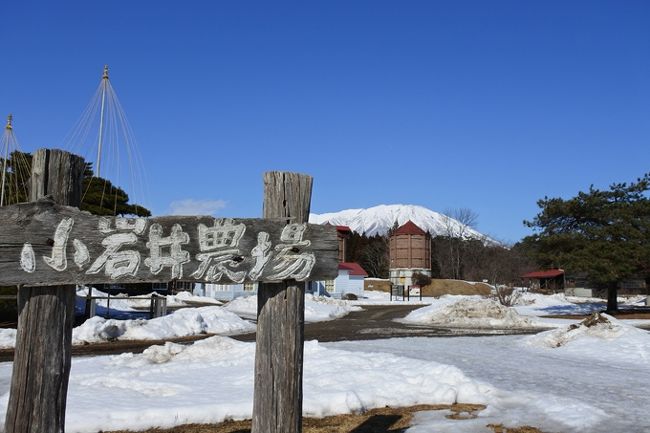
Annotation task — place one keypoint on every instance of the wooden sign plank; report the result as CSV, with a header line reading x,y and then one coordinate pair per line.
x,y
42,243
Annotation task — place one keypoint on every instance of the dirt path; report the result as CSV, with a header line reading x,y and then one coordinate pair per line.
x,y
378,321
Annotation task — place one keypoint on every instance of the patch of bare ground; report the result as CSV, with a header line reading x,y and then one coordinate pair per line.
x,y
383,420
499,428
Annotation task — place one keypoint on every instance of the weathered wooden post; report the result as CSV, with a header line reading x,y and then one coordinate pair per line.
x,y
41,369
277,401
48,247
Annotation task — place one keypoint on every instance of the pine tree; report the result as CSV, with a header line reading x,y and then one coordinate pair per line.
x,y
100,197
603,233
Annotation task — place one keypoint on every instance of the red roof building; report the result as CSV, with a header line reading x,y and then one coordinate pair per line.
x,y
551,280
353,269
409,228
410,248
549,273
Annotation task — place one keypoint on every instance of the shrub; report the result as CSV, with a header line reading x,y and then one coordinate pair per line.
x,y
506,295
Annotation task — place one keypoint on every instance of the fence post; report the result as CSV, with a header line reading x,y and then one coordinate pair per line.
x,y
39,382
277,400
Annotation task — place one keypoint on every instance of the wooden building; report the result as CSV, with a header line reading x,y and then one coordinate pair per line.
x,y
343,233
350,276
549,280
410,253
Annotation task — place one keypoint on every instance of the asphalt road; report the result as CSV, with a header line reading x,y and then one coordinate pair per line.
x,y
373,322
378,321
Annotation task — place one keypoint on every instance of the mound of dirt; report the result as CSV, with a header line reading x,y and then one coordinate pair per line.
x,y
455,287
377,284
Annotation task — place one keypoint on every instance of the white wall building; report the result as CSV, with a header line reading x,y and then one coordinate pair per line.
x,y
225,292
349,280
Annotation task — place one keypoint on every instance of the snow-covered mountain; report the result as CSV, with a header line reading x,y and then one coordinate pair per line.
x,y
378,220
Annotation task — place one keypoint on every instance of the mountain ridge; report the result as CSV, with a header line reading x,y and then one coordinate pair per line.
x,y
378,220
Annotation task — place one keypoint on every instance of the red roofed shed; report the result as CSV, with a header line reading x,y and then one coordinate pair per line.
x,y
549,280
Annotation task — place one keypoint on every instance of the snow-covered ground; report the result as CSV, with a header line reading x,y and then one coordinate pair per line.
x,y
571,379
317,308
601,339
594,382
212,380
480,312
187,322
181,323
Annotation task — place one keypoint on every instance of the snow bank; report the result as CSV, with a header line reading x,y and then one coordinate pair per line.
x,y
182,323
212,380
187,297
470,312
317,308
123,302
7,338
537,304
600,337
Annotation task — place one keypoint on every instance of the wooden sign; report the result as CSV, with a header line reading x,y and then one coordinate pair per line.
x,y
42,243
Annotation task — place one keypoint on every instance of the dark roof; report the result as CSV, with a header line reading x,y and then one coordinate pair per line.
x,y
409,228
353,268
343,229
549,273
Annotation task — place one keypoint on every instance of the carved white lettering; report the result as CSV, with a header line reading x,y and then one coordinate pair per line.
x,y
58,260
81,255
177,256
219,251
27,258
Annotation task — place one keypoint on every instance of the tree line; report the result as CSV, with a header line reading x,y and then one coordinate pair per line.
x,y
602,234
451,257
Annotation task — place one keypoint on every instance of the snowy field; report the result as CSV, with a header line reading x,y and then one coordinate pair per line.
x,y
212,380
570,379
185,322
595,381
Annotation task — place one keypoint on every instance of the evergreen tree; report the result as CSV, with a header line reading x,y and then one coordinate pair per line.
x,y
603,233
100,197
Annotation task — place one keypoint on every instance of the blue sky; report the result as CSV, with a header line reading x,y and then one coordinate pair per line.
x,y
487,105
